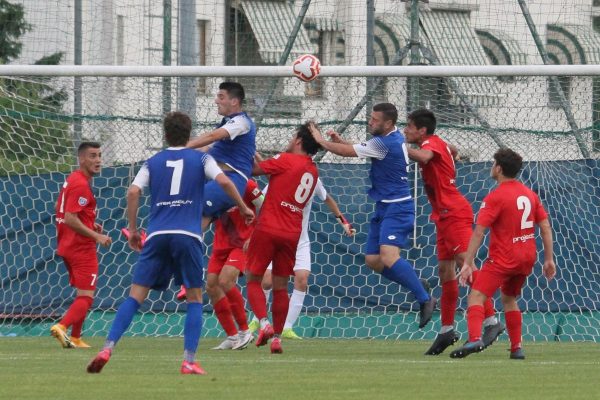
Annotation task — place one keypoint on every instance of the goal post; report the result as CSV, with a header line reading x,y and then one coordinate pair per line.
x,y
478,108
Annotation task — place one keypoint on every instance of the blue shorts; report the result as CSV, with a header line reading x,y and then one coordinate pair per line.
x,y
216,201
391,224
170,255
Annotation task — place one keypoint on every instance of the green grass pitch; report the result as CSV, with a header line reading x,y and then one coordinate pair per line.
x,y
148,368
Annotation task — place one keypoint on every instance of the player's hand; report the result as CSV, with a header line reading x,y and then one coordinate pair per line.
x,y
334,136
465,276
549,269
348,229
248,215
97,228
315,132
103,240
135,240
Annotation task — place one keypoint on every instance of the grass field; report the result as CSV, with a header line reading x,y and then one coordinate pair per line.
x,y
148,368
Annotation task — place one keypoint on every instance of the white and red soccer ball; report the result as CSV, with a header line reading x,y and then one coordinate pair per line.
x,y
306,67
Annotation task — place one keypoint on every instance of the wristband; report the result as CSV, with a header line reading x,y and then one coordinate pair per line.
x,y
343,219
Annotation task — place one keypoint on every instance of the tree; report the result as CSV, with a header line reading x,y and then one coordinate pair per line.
x,y
34,134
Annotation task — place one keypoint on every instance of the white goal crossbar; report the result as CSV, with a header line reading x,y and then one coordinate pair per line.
x,y
286,71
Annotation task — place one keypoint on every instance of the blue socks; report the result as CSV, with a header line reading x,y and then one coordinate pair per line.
x,y
404,274
192,328
122,320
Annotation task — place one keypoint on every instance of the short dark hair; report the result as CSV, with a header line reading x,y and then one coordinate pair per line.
x,y
233,89
309,144
87,145
178,128
510,162
390,112
423,118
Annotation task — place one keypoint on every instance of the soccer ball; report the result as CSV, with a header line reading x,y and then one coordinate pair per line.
x,y
306,67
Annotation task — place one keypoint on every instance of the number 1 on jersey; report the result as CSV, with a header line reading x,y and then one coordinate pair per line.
x,y
177,166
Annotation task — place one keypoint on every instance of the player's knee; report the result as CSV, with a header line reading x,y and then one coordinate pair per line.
x,y
476,298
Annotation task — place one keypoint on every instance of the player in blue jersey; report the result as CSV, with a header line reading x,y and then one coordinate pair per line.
x,y
232,145
173,246
394,216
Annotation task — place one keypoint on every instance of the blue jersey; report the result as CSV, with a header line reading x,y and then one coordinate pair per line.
x,y
239,148
389,166
176,179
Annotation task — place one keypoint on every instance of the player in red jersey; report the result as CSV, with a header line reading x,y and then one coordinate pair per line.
x,y
511,211
77,235
453,218
292,179
227,262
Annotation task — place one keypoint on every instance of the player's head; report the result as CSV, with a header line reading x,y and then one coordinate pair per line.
x,y
178,128
303,141
419,124
507,164
90,158
230,98
383,118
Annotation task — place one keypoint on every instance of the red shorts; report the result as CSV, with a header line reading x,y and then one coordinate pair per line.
x,y
509,280
220,258
279,248
453,235
83,273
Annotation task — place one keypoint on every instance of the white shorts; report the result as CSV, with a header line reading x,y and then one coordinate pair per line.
x,y
302,257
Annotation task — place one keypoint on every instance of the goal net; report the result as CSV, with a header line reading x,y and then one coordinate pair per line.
x,y
492,92
345,299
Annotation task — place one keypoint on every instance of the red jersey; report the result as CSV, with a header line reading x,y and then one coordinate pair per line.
x,y
231,231
439,176
511,211
76,197
292,180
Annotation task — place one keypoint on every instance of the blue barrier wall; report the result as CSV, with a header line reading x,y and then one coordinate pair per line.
x,y
34,281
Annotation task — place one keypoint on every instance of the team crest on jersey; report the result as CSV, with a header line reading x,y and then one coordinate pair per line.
x,y
82,201
231,121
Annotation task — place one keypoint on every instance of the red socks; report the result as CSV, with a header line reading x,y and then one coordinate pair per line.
x,y
76,314
279,308
256,298
448,302
475,316
223,312
236,301
488,305
514,323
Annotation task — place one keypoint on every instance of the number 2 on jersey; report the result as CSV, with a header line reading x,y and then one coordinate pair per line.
x,y
524,204
177,166
304,188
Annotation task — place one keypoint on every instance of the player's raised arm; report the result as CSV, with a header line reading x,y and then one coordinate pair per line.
x,y
208,138
341,148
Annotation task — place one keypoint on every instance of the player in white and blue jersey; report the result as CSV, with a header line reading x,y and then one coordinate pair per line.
x,y
232,145
394,216
173,246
